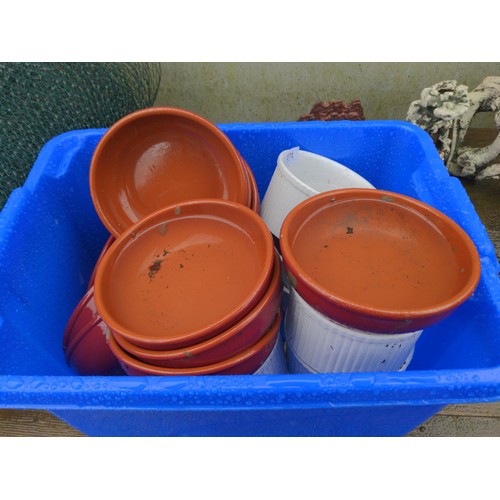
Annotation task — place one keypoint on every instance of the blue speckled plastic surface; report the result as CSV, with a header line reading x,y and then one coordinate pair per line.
x,y
50,237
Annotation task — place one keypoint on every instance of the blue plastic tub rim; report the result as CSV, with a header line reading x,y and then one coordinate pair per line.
x,y
251,391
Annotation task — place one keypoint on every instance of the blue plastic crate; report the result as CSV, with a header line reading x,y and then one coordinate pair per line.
x,y
50,238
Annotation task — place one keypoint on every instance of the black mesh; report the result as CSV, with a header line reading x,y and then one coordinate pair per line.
x,y
41,100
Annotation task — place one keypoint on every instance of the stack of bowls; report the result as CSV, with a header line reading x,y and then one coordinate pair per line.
x,y
189,280
192,288
369,270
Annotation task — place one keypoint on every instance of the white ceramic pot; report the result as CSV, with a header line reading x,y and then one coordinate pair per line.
x,y
296,365
300,175
322,345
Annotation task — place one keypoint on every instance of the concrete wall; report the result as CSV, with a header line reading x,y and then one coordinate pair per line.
x,y
245,92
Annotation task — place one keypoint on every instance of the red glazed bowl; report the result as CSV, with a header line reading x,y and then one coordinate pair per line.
x,y
246,362
223,346
185,273
159,156
85,341
378,261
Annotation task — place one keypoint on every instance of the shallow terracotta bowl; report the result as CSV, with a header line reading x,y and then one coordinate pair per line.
x,y
377,260
224,345
158,156
246,362
185,273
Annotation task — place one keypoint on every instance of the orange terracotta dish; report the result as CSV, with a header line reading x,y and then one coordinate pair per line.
x,y
377,260
245,363
185,273
226,344
158,156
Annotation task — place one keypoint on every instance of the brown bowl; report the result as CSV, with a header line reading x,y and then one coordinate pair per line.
x,y
378,261
185,273
224,345
245,363
159,156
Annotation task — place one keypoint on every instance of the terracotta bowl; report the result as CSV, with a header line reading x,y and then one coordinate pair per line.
x,y
185,273
225,345
246,362
85,341
158,156
378,261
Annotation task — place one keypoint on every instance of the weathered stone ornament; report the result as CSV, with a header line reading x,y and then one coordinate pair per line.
x,y
445,110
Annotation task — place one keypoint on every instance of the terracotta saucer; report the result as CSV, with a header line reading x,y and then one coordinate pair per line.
x,y
246,362
158,156
224,345
377,260
185,273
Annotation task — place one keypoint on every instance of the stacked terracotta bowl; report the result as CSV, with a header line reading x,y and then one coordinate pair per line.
x,y
189,282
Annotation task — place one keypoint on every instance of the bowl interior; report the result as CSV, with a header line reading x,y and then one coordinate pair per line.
x,y
381,250
159,156
235,339
177,277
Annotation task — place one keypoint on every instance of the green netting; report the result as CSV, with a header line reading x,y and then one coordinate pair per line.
x,y
41,100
